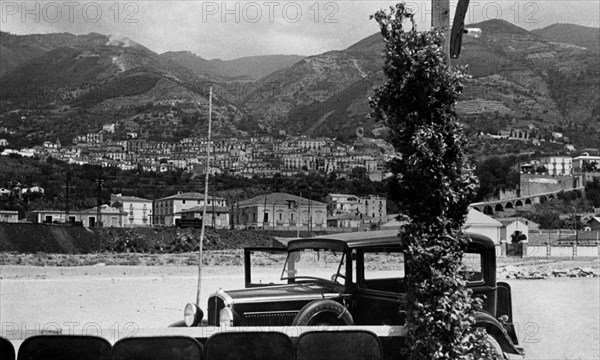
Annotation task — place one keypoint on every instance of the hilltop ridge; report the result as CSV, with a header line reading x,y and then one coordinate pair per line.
x,y
520,80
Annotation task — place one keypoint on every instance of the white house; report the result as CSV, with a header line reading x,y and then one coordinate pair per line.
x,y
479,223
9,216
109,216
514,226
109,128
138,211
344,203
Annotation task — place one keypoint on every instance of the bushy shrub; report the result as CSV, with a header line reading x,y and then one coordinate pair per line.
x,y
433,186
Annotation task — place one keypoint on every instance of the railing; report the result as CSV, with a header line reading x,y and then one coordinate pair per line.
x,y
547,250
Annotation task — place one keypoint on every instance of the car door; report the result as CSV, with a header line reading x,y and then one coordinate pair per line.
x,y
478,269
379,297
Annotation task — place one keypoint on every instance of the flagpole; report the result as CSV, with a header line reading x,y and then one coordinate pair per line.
x,y
200,254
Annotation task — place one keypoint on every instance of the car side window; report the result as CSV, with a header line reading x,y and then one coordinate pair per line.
x,y
264,267
472,269
383,270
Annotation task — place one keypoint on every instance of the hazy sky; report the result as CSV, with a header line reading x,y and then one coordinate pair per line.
x,y
231,29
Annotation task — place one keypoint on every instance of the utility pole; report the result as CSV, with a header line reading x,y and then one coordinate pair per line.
x,y
299,215
440,19
264,214
213,213
67,196
98,210
309,219
200,249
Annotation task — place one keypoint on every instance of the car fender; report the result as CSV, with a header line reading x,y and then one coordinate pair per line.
x,y
495,329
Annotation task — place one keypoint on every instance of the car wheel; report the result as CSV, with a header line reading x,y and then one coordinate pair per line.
x,y
323,312
495,348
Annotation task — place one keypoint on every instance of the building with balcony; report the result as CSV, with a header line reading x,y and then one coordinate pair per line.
x,y
585,168
137,211
557,165
374,206
344,203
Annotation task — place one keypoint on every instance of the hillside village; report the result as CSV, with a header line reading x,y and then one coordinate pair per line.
x,y
540,181
253,156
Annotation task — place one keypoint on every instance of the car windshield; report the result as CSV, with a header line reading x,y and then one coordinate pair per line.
x,y
323,264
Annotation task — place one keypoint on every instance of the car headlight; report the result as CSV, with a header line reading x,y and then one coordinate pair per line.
x,y
226,317
192,315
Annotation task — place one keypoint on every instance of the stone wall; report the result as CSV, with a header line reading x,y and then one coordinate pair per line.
x,y
534,184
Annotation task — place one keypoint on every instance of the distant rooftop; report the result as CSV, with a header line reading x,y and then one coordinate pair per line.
x,y
131,198
188,196
279,199
209,209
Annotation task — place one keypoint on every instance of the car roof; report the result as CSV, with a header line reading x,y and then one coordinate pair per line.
x,y
387,238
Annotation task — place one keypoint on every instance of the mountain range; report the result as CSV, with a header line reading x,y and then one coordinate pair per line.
x,y
547,79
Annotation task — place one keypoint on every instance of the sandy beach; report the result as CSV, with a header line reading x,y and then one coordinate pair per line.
x,y
556,318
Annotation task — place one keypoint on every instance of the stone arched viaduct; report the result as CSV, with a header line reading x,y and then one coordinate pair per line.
x,y
491,207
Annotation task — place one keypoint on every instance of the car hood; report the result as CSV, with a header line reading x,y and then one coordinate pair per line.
x,y
291,292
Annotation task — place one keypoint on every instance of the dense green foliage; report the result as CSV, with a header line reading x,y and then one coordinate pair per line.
x,y
433,186
51,175
495,174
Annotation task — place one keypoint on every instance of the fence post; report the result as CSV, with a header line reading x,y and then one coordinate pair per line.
x,y
524,249
548,251
503,248
574,249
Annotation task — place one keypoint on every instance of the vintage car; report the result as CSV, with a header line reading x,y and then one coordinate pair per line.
x,y
347,279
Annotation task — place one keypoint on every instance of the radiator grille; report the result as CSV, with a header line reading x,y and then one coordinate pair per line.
x,y
215,305
279,318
